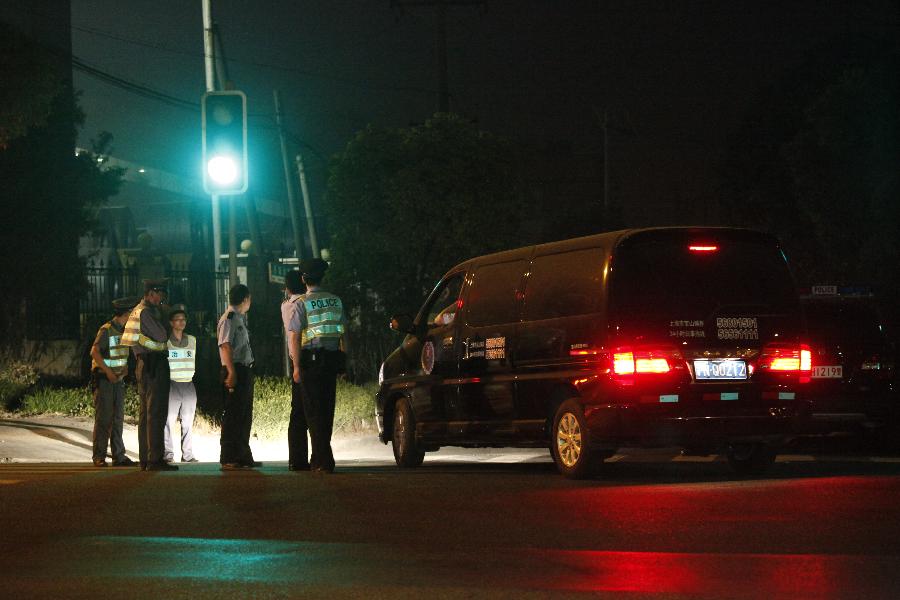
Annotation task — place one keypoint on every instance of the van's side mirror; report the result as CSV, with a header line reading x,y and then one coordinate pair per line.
x,y
402,323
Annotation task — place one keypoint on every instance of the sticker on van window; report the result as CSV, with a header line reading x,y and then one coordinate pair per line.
x,y
428,357
474,349
691,328
737,328
495,348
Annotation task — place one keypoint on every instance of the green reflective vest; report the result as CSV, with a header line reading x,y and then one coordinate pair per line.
x,y
133,335
324,317
182,361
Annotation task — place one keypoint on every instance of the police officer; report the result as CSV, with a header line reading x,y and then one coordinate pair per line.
x,y
298,445
182,393
147,336
237,363
320,344
109,366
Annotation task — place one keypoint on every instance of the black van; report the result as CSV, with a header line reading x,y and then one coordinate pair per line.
x,y
689,337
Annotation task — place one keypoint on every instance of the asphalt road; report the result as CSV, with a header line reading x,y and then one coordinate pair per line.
x,y
465,525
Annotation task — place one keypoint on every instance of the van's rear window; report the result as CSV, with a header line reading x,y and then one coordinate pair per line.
x,y
666,279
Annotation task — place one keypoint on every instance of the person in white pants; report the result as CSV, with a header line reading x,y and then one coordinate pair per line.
x,y
182,394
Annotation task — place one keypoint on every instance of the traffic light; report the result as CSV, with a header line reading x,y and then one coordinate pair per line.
x,y
224,119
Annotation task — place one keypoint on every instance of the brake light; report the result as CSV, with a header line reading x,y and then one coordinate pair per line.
x,y
703,248
787,359
640,361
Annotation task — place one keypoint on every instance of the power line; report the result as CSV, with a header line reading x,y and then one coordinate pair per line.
x,y
374,86
153,94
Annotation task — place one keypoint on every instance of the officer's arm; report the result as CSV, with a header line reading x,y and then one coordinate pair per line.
x,y
98,358
294,341
227,361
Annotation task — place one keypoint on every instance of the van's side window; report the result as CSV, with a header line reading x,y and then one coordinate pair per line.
x,y
443,309
492,297
565,284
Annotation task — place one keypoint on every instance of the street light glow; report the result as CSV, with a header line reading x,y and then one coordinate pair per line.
x,y
222,169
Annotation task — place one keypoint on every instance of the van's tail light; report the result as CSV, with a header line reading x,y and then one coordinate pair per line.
x,y
629,363
787,359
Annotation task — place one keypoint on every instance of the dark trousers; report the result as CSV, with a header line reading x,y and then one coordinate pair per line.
x,y
298,446
152,374
109,418
237,419
318,378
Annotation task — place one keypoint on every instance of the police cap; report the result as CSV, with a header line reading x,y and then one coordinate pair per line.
x,y
121,305
156,285
313,267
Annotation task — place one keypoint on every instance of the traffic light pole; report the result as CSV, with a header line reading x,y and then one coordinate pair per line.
x,y
209,63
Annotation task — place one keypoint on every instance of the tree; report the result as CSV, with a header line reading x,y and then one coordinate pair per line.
x,y
405,205
816,163
48,193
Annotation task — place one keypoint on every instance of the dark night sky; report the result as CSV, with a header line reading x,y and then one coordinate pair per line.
x,y
676,76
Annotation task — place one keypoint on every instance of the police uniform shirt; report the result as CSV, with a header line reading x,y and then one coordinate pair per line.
x,y
289,315
232,329
298,323
151,326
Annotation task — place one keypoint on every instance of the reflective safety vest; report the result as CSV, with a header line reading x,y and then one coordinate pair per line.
x,y
182,361
118,352
133,335
324,317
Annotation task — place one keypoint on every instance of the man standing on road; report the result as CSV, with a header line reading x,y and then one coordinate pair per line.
x,y
237,363
147,336
109,366
298,445
320,345
182,394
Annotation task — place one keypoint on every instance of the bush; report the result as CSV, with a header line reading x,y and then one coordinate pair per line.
x,y
16,377
75,402
354,407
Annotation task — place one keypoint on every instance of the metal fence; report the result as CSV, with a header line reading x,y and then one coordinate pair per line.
x,y
204,294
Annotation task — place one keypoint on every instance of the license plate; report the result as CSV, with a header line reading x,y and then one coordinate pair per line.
x,y
828,372
720,369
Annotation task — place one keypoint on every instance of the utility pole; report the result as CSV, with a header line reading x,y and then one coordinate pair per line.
x,y
292,204
440,40
313,241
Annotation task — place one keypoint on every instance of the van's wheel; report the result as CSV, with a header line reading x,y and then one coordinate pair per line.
x,y
407,454
750,459
569,443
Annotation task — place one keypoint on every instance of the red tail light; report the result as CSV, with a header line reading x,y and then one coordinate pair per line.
x,y
787,359
628,363
703,248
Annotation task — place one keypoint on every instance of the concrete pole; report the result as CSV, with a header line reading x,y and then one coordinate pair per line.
x,y
306,205
209,63
292,203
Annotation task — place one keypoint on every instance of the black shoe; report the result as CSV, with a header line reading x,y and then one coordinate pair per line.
x,y
298,467
161,466
100,463
170,460
143,466
125,462
234,466
190,460
251,464
323,470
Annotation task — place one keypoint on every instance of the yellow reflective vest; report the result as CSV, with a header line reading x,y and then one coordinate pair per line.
x,y
133,335
118,352
183,360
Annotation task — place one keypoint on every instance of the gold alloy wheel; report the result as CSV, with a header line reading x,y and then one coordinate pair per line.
x,y
568,440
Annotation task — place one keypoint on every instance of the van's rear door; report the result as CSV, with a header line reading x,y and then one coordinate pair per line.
x,y
723,299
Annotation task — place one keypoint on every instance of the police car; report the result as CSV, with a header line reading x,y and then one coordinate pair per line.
x,y
853,374
688,337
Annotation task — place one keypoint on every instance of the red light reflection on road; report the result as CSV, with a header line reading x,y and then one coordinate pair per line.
x,y
713,575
